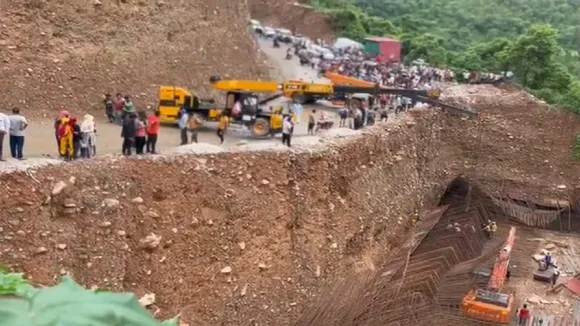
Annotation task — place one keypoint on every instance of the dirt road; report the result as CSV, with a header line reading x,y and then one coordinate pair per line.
x,y
41,143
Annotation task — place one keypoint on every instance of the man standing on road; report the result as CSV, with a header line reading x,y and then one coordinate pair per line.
x,y
4,129
109,108
193,125
183,119
118,105
311,122
287,129
153,127
223,125
18,124
297,109
129,132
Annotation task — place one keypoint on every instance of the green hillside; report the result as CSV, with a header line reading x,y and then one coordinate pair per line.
x,y
538,40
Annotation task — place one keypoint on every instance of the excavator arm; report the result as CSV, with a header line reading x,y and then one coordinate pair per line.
x,y
500,268
491,304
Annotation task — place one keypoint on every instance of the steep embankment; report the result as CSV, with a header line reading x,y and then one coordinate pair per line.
x,y
520,147
69,53
254,237
298,18
249,237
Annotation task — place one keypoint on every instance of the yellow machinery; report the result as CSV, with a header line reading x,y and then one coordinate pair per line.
x,y
241,94
299,91
173,99
491,305
260,121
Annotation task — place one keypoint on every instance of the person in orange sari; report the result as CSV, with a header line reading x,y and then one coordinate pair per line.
x,y
65,138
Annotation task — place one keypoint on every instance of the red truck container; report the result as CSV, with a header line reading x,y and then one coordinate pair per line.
x,y
386,49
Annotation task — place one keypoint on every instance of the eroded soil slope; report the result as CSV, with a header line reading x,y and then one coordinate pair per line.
x,y
287,14
67,53
523,147
249,237
255,237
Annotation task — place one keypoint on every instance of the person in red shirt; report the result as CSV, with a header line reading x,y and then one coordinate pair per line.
x,y
118,105
524,316
153,127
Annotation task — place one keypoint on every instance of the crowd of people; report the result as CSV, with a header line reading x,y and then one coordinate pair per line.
x,y
352,61
139,130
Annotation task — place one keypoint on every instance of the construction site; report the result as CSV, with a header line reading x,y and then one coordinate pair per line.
x,y
380,227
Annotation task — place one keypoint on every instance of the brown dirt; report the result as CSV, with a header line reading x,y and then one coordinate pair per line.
x,y
526,148
285,14
319,213
61,53
335,211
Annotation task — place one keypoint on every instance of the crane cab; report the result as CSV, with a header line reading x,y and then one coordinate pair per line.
x,y
244,106
245,109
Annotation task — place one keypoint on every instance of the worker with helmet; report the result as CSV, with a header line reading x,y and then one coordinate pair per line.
x,y
487,229
493,228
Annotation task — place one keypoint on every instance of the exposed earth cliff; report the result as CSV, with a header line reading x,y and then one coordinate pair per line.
x,y
67,54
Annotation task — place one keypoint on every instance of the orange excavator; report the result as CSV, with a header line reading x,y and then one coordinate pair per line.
x,y
491,305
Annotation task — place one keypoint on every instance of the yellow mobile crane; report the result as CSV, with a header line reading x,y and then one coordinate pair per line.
x,y
253,115
262,122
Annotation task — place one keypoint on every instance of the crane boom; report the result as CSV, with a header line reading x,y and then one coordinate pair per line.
x,y
339,84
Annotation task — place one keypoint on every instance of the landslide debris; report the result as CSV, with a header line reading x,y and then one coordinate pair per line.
x,y
256,236
68,53
520,146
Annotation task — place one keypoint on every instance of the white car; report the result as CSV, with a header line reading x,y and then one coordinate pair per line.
x,y
283,31
328,55
323,52
269,32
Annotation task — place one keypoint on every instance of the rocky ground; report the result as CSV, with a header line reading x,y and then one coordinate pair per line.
x,y
250,236
524,147
244,234
67,54
256,235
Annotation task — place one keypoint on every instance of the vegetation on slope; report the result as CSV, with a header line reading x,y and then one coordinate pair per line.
x,y
68,304
536,39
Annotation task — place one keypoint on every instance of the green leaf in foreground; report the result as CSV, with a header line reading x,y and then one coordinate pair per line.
x,y
13,284
70,304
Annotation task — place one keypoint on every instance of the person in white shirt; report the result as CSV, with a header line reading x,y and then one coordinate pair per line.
x,y
297,109
18,124
182,123
287,129
4,129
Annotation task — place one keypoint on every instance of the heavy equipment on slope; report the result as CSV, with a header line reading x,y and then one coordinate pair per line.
x,y
491,305
264,122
